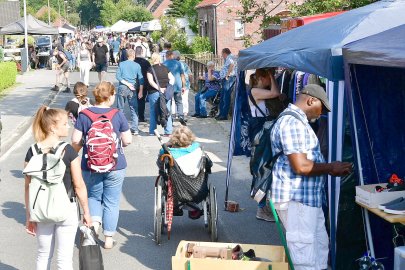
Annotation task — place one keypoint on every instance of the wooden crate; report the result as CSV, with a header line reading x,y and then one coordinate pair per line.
x,y
274,253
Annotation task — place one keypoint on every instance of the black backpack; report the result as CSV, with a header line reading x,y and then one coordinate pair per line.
x,y
262,159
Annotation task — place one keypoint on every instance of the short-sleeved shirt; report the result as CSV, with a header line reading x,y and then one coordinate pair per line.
x,y
225,68
145,66
116,45
215,84
162,74
177,70
187,73
100,52
69,155
120,124
292,135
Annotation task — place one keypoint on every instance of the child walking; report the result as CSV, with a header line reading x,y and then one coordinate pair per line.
x,y
79,102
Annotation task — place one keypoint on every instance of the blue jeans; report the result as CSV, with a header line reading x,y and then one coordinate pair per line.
x,y
200,101
124,93
179,104
104,192
226,91
153,98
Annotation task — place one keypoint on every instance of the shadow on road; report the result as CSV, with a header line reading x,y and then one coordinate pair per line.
x,y
17,173
14,210
6,267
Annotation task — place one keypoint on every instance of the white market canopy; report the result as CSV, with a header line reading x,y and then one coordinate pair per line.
x,y
123,26
150,26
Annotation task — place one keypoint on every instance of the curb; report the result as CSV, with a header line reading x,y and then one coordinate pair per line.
x,y
7,143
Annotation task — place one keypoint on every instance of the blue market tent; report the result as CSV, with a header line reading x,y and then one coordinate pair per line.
x,y
375,68
317,48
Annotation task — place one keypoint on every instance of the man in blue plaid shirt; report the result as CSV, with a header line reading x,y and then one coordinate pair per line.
x,y
299,177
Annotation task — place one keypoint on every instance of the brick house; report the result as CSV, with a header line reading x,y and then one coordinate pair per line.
x,y
218,21
158,7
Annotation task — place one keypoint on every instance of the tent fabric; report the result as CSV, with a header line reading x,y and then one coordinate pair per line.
x,y
63,30
120,26
383,49
153,25
69,27
311,48
35,27
136,29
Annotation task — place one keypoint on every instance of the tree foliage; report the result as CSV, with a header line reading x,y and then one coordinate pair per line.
x,y
311,7
172,32
201,44
258,12
185,9
126,10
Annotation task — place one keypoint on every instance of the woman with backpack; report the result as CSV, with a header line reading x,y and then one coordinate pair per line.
x,y
105,131
263,87
50,125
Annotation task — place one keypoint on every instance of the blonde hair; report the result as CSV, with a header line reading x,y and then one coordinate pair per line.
x,y
155,58
131,53
103,92
45,118
182,136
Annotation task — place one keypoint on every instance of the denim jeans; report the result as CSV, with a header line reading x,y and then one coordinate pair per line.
x,y
200,101
124,93
153,98
179,103
226,91
104,192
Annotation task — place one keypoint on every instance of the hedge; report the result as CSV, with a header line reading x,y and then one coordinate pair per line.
x,y
8,74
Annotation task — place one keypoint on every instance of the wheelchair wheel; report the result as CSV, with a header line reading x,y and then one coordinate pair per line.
x,y
213,214
159,216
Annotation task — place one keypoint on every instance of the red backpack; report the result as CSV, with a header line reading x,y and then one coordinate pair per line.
x,y
101,142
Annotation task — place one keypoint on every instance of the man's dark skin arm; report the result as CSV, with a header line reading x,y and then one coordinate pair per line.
x,y
303,166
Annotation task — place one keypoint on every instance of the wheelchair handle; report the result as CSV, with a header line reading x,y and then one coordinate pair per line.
x,y
165,148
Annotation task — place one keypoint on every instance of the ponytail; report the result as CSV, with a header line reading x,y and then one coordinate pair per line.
x,y
252,80
45,118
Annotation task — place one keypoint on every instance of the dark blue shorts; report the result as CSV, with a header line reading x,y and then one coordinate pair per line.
x,y
101,67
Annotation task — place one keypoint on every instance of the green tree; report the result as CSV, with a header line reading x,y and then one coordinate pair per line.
x,y
311,7
185,9
90,12
172,32
109,13
201,44
126,10
136,14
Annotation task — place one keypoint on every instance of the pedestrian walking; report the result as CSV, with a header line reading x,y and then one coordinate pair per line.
x,y
49,127
163,78
188,76
129,76
104,188
79,102
85,63
228,82
167,46
145,66
62,69
179,83
116,49
299,178
100,58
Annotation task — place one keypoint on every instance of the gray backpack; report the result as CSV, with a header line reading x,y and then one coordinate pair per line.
x,y
48,199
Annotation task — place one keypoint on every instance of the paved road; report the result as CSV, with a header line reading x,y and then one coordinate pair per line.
x,y
135,248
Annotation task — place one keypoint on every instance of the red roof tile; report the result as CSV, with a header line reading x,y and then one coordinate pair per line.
x,y
207,3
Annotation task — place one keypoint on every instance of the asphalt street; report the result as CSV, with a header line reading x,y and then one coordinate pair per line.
x,y
136,248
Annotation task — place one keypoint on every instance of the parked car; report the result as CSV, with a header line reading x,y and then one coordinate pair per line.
x,y
43,45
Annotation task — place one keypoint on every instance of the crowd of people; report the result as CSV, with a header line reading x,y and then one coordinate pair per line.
x,y
145,72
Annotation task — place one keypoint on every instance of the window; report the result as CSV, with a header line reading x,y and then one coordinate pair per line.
x,y
239,28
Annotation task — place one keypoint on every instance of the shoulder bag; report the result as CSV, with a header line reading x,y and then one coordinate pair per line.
x,y
169,92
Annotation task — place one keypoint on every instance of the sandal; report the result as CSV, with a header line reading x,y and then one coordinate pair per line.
x,y
109,242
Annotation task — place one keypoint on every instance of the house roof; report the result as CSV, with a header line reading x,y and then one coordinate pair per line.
x,y
9,12
207,3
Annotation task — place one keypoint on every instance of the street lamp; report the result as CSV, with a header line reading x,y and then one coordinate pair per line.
x,y
65,9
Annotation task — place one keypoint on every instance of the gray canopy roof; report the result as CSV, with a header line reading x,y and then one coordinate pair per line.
x,y
35,27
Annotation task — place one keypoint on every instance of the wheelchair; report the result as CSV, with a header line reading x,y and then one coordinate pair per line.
x,y
175,190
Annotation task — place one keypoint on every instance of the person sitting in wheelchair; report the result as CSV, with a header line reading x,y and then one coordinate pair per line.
x,y
193,163
211,88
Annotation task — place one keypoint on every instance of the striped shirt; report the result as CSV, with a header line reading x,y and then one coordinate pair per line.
x,y
291,135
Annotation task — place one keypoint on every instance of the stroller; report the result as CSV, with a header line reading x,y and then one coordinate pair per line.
x,y
174,189
215,105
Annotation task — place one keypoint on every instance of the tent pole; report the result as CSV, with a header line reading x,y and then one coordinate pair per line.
x,y
26,37
360,169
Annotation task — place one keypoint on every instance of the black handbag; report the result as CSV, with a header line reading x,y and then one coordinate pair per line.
x,y
90,257
169,92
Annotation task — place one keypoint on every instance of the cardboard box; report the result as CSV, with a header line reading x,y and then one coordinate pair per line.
x,y
274,253
368,196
